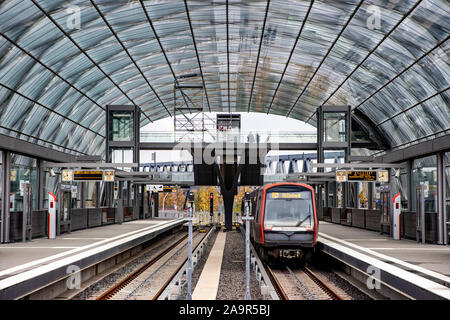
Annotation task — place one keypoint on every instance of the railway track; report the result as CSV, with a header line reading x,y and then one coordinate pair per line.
x,y
300,284
134,280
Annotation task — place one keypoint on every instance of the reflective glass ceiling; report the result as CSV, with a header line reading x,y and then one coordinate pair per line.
x,y
62,62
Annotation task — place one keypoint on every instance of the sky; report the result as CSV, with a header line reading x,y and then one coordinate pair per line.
x,y
249,122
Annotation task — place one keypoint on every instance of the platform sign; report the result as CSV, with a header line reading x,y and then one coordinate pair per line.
x,y
154,187
13,175
74,191
88,175
362,175
116,192
169,189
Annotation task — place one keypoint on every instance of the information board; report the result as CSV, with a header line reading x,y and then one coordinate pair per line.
x,y
87,175
362,175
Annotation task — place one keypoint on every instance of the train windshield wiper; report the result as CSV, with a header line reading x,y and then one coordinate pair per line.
x,y
308,217
301,222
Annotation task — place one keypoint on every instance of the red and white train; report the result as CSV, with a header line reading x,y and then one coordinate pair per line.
x,y
285,221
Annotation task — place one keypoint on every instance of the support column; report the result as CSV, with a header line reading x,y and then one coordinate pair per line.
x,y
6,165
441,225
410,190
41,185
98,195
228,177
228,200
81,184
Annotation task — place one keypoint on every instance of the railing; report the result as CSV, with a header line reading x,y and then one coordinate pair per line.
x,y
229,136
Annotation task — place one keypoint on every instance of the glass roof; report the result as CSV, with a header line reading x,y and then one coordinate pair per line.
x,y
62,62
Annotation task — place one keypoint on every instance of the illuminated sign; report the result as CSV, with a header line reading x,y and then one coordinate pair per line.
x,y
285,195
360,175
169,189
88,175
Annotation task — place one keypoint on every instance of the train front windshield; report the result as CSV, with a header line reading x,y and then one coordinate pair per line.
x,y
289,209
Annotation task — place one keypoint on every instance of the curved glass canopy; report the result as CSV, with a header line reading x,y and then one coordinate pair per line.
x,y
62,62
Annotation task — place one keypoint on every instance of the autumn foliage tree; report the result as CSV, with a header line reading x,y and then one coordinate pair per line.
x,y
175,200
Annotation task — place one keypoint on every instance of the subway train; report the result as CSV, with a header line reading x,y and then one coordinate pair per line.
x,y
285,221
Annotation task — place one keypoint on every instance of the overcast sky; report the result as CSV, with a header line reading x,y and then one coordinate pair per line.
x,y
249,122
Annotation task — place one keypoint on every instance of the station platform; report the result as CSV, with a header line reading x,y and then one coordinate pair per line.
x,y
45,260
429,262
208,283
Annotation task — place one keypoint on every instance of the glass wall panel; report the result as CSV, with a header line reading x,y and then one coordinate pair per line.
x,y
400,185
425,172
335,128
122,125
122,155
51,179
340,194
363,195
23,169
90,194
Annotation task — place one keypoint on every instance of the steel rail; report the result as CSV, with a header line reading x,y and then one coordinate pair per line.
x,y
174,274
326,288
121,284
276,283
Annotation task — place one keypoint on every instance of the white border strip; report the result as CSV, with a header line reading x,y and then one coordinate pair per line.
x,y
425,284
389,258
62,254
10,281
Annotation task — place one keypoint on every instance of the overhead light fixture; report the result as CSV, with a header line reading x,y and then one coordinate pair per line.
x,y
52,172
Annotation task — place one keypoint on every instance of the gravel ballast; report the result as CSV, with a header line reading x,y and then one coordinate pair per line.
x,y
232,278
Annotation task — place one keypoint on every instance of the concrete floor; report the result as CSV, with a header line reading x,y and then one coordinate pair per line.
x,y
429,256
20,256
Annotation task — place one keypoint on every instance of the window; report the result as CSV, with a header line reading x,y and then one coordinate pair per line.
x,y
288,208
425,172
23,169
122,125
335,126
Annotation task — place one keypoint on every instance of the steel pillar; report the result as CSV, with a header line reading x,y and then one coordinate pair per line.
x,y
441,223
6,165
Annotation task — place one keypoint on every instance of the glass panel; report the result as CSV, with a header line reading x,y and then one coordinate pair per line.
x,y
334,125
122,126
363,195
288,207
51,179
23,169
425,172
90,194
